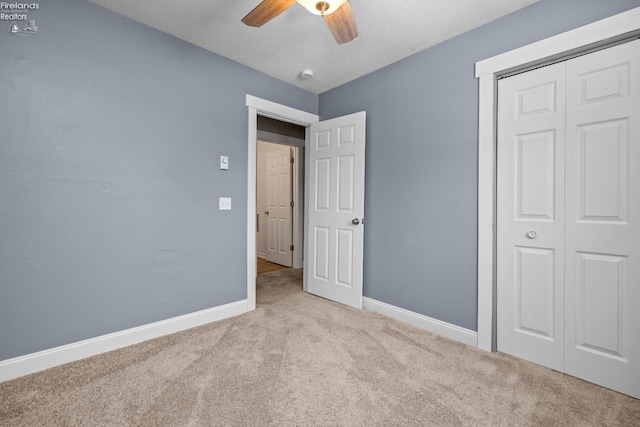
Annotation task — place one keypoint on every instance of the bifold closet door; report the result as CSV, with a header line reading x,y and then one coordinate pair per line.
x,y
531,114
602,286
568,217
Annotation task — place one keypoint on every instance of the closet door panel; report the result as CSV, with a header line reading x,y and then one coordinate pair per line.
x,y
603,218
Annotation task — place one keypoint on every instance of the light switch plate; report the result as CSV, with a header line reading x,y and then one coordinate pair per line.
x,y
224,203
224,162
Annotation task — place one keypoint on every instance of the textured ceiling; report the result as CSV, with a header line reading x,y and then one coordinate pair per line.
x,y
296,40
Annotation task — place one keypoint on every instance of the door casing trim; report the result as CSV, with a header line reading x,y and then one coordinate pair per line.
x,y
283,113
599,33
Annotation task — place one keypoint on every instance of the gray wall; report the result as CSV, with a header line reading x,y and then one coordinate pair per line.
x,y
110,135
421,162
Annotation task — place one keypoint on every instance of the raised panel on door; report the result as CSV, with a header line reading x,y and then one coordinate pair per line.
x,y
322,184
535,292
602,151
344,256
603,218
336,209
272,235
320,254
346,171
536,175
530,216
601,288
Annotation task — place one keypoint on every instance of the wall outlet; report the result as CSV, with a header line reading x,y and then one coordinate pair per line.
x,y
224,203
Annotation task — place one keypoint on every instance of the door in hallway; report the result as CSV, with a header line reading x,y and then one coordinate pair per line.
x,y
279,209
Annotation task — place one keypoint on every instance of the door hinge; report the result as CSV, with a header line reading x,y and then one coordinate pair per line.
x,y
292,160
292,203
291,247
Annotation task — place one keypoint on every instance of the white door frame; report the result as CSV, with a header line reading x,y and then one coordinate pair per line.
x,y
591,36
279,112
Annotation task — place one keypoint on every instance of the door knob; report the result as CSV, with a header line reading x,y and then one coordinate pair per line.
x,y
531,235
266,212
355,221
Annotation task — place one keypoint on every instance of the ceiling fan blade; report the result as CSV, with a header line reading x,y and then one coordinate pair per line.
x,y
342,24
266,11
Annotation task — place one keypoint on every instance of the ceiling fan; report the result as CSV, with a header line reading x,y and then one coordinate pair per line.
x,y
336,13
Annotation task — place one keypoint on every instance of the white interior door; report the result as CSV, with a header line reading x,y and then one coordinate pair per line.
x,y
335,209
531,216
603,218
279,209
568,237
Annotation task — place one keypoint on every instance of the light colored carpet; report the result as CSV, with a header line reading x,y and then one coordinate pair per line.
x,y
299,360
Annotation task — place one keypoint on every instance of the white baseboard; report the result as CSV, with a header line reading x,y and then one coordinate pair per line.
x,y
34,362
439,327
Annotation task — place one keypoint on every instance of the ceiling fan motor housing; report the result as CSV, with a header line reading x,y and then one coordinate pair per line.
x,y
322,6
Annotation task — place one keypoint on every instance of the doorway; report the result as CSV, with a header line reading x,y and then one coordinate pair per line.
x,y
336,183
279,191
260,107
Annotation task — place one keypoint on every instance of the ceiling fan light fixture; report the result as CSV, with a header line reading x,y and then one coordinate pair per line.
x,y
321,7
337,14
